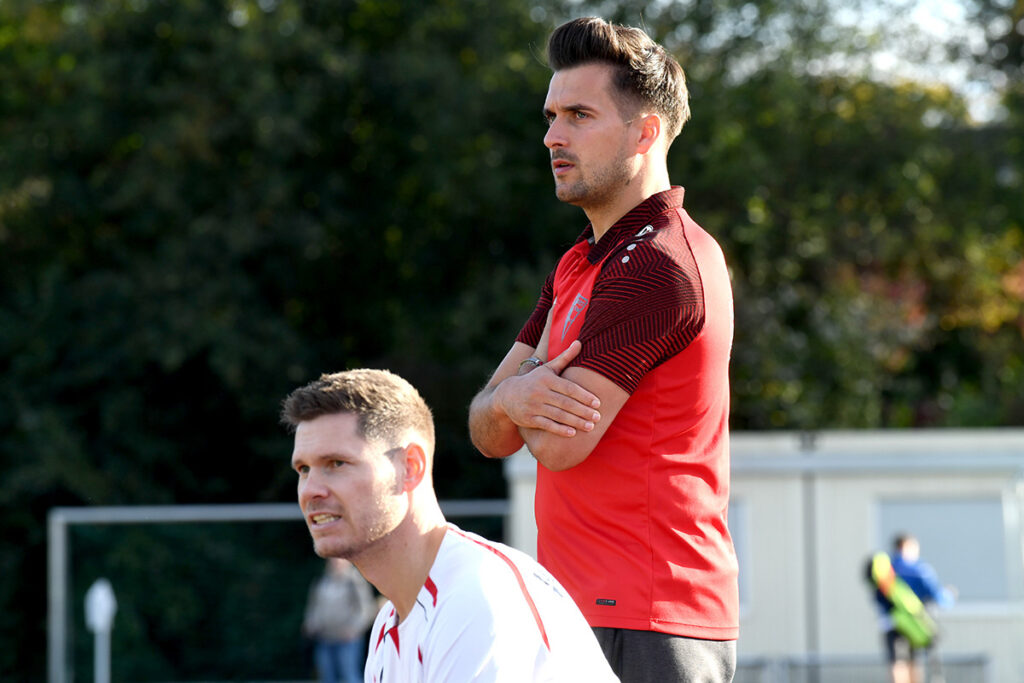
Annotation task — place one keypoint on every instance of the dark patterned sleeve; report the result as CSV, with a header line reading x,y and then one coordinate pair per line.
x,y
643,311
534,327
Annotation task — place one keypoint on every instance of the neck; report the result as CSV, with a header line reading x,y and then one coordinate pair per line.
x,y
399,564
642,186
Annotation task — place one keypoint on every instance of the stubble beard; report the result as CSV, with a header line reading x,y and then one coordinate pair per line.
x,y
370,527
599,190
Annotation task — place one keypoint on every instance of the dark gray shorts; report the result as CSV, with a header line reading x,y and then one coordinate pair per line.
x,y
651,657
898,648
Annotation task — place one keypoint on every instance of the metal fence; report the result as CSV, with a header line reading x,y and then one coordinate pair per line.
x,y
951,668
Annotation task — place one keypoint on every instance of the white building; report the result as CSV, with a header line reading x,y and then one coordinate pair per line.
x,y
808,510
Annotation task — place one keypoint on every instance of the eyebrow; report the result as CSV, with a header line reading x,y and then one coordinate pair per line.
x,y
315,457
570,108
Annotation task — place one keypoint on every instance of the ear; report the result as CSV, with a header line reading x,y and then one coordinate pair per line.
x,y
650,133
415,460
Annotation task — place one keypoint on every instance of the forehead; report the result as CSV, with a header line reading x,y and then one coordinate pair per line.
x,y
588,85
328,434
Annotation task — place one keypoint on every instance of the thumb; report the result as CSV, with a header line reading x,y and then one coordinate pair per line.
x,y
562,360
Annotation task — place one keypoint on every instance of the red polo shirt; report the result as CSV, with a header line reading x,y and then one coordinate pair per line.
x,y
637,532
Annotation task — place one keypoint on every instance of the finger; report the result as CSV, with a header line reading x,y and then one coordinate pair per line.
x,y
556,408
581,409
526,399
548,425
562,360
585,399
571,420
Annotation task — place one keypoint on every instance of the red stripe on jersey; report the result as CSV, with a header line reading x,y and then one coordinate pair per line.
x,y
432,589
519,578
393,632
385,631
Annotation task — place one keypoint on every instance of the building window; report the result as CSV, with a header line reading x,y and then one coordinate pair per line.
x,y
968,541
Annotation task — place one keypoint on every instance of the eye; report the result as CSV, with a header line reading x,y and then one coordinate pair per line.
x,y
580,115
302,469
548,118
337,463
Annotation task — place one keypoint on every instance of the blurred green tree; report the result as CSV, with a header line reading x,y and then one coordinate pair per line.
x,y
206,203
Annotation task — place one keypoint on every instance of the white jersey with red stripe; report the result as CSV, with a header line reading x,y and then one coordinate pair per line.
x,y
487,613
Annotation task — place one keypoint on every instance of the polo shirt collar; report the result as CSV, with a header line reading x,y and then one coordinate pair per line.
x,y
634,221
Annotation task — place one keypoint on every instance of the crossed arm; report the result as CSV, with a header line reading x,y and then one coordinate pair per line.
x,y
559,412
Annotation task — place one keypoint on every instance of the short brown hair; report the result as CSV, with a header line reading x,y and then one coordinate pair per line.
x,y
646,75
385,405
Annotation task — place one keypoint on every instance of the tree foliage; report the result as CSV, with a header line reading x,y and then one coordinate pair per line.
x,y
206,203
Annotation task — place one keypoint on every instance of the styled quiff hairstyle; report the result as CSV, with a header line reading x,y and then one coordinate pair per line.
x,y
386,406
646,75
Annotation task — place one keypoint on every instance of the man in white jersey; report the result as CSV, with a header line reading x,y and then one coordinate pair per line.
x,y
461,608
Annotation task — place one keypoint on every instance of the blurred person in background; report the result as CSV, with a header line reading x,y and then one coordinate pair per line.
x,y
908,630
339,611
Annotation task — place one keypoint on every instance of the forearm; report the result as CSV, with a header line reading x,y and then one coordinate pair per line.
x,y
559,450
492,431
555,452
523,394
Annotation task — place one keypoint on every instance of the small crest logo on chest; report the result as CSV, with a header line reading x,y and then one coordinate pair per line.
x,y
578,306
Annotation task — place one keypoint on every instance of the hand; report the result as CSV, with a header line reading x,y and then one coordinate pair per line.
x,y
542,399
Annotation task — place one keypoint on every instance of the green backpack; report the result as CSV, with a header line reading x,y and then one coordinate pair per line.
x,y
909,617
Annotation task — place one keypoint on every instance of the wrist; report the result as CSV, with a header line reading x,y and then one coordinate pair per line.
x,y
529,364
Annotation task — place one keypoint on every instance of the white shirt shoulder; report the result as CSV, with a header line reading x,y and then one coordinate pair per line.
x,y
486,613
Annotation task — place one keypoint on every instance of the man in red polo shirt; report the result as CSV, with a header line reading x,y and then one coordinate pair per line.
x,y
618,382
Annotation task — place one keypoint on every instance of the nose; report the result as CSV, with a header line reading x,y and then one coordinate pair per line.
x,y
555,137
310,488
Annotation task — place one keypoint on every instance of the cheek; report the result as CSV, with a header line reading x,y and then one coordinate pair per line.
x,y
385,485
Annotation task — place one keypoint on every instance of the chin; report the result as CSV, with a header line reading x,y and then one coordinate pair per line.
x,y
327,549
567,196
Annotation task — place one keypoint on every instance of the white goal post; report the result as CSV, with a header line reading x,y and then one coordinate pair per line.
x,y
59,561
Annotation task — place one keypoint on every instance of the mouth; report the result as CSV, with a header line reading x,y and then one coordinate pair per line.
x,y
322,518
561,166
